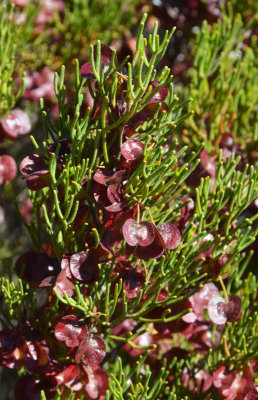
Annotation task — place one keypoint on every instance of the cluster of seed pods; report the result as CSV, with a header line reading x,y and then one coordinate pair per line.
x,y
128,241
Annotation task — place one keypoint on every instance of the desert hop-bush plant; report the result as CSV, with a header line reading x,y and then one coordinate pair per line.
x,y
136,284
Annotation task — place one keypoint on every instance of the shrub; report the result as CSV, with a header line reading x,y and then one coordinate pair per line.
x,y
136,284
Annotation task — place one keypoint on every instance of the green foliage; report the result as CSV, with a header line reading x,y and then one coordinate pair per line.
x,y
223,84
67,34
247,8
83,22
137,382
10,89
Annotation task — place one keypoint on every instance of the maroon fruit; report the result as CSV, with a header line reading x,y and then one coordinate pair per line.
x,y
70,377
37,180
233,308
142,233
36,172
8,169
199,301
60,282
98,382
223,378
91,351
170,235
71,331
216,310
84,266
132,150
16,123
221,311
108,190
31,164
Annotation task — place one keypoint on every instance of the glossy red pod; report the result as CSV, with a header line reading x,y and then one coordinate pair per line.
x,y
141,234
170,235
71,331
91,351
